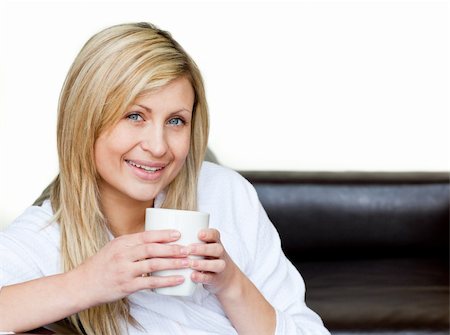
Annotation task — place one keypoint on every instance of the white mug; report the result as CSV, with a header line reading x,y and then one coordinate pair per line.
x,y
189,224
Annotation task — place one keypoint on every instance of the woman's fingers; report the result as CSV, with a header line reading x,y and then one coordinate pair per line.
x,y
208,265
209,235
157,264
149,244
151,282
151,250
214,250
149,236
202,277
136,255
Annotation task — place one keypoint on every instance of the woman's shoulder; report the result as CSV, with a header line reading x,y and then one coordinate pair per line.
x,y
34,220
221,175
226,186
29,246
212,169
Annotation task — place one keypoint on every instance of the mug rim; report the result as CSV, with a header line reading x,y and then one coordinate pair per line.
x,y
173,210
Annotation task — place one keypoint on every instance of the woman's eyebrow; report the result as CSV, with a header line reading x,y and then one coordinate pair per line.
x,y
144,107
149,110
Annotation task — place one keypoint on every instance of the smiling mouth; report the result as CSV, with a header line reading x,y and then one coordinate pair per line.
x,y
148,169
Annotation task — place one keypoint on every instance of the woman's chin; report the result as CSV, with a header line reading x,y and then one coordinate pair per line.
x,y
143,197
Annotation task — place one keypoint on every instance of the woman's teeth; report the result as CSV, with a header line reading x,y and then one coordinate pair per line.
x,y
146,168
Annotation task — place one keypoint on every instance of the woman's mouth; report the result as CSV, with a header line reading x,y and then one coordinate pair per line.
x,y
146,168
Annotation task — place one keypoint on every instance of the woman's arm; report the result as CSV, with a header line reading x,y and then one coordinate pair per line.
x,y
39,302
243,303
114,272
248,310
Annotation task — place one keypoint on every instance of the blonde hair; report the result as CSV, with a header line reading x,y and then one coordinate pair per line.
x,y
113,68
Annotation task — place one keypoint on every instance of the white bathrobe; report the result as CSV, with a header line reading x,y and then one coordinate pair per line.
x,y
30,248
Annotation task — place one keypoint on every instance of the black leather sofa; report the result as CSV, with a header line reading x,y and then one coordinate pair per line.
x,y
373,248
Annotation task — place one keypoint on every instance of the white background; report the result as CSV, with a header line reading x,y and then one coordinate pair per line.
x,y
298,85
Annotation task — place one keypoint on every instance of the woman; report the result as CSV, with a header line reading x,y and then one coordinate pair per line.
x,y
132,134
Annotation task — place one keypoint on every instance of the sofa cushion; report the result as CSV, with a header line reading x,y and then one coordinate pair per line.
x,y
383,294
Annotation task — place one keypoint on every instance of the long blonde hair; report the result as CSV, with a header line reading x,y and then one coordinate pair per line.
x,y
113,68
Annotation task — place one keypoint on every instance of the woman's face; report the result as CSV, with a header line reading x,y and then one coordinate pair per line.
x,y
145,151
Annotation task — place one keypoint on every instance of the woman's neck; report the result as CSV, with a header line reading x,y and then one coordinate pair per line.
x,y
124,216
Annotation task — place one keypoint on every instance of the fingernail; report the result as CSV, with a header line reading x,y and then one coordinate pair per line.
x,y
202,234
185,262
184,251
179,279
175,233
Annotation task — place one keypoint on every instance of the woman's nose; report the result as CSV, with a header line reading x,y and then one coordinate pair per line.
x,y
154,141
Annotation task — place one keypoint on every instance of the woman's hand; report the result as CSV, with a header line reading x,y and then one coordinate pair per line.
x,y
217,271
122,266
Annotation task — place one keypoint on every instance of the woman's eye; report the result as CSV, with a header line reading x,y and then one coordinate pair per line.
x,y
176,121
134,117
